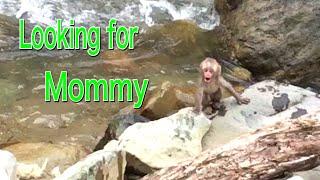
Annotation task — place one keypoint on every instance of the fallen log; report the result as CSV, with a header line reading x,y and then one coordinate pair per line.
x,y
268,153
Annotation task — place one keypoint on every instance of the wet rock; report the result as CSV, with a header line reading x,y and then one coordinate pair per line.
x,y
166,141
55,121
180,38
266,37
119,123
88,141
108,163
300,112
49,121
8,165
233,72
270,102
162,17
167,100
9,93
36,159
8,129
8,31
280,103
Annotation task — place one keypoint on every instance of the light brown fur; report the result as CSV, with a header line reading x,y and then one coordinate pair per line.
x,y
209,92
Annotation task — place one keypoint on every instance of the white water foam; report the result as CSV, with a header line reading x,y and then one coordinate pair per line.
x,y
86,12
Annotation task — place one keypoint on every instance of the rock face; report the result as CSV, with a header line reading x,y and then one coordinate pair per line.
x,y
166,141
108,163
8,31
37,160
279,38
270,101
7,165
167,100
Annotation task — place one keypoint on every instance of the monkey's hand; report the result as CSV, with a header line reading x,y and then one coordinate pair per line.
x,y
242,100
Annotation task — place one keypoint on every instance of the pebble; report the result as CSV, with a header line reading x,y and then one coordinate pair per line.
x,y
38,88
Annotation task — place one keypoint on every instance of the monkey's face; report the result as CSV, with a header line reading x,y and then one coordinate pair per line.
x,y
210,70
207,74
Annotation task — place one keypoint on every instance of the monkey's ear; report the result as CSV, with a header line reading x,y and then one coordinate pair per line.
x,y
219,69
201,66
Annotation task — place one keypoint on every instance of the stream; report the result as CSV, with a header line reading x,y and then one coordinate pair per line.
x,y
175,36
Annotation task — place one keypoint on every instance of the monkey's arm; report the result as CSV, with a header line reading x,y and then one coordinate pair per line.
x,y
198,100
229,87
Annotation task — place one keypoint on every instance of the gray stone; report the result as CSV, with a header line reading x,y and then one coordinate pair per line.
x,y
164,142
107,163
270,102
35,159
278,38
8,165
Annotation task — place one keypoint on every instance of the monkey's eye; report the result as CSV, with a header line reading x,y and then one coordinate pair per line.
x,y
208,70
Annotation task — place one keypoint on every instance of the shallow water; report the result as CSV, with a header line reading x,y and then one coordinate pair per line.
x,y
26,103
166,50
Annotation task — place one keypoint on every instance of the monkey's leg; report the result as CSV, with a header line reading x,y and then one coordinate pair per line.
x,y
216,97
207,103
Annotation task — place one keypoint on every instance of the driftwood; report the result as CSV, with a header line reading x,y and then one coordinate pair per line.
x,y
270,153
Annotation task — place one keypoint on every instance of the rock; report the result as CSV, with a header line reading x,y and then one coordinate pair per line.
x,y
88,141
307,175
167,100
55,172
107,163
7,165
49,121
118,123
9,93
180,38
55,121
270,101
277,38
166,141
271,153
8,31
41,87
35,159
234,72
296,178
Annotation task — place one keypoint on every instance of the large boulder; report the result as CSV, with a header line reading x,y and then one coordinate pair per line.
x,y
9,31
8,165
38,160
119,123
108,163
166,141
270,101
278,38
168,99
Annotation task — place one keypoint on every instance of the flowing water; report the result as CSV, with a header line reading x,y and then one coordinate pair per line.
x,y
175,37
138,12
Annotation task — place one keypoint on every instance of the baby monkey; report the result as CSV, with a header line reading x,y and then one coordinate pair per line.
x,y
209,92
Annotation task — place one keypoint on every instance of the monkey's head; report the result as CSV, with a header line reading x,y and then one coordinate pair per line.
x,y
210,70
